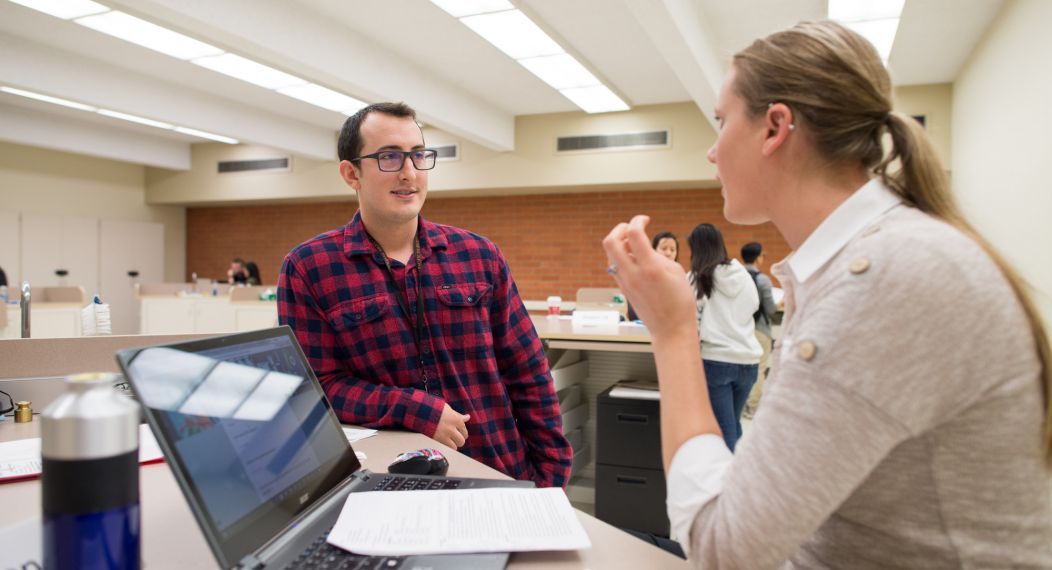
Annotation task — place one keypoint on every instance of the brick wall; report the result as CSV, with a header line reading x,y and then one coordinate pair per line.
x,y
552,242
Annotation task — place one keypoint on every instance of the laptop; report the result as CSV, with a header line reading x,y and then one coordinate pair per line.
x,y
260,455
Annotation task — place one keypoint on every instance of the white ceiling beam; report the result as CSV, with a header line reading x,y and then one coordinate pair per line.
x,y
678,31
71,76
58,132
283,35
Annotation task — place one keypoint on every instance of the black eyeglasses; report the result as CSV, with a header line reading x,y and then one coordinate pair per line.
x,y
393,160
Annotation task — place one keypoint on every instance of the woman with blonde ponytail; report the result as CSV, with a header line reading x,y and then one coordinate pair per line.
x,y
906,417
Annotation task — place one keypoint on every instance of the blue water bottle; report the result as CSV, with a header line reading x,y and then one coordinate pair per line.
x,y
90,477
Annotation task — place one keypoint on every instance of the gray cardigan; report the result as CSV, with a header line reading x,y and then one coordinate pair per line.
x,y
898,430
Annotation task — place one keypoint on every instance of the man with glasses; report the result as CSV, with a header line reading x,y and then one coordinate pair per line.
x,y
416,325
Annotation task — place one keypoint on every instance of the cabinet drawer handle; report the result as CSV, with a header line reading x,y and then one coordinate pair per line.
x,y
633,418
631,480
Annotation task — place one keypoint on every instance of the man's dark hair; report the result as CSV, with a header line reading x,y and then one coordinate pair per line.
x,y
751,251
349,144
238,260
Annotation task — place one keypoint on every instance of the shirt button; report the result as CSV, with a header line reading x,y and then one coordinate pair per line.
x,y
806,350
471,299
357,316
859,265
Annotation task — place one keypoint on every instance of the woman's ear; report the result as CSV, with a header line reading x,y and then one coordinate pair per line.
x,y
778,121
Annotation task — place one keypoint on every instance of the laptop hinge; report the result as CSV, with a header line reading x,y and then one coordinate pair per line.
x,y
250,562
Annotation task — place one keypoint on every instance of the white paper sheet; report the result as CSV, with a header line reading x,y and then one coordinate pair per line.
x,y
354,434
458,521
21,457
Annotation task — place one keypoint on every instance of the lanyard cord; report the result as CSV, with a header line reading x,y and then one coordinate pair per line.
x,y
417,324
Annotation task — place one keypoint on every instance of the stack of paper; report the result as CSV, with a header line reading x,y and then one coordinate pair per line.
x,y
501,519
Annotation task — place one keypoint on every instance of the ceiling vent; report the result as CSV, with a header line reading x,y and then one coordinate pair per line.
x,y
283,164
619,141
448,151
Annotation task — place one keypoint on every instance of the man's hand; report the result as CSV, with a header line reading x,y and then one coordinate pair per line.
x,y
452,428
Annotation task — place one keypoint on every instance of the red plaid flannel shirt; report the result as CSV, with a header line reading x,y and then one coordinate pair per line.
x,y
479,348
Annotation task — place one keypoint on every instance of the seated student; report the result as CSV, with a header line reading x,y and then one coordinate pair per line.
x,y
897,431
236,274
252,274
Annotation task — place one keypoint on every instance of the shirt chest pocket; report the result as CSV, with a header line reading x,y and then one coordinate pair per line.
x,y
361,328
463,317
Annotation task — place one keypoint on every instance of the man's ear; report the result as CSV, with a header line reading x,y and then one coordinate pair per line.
x,y
779,124
350,174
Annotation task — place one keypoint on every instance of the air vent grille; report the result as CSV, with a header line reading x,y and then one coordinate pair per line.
x,y
257,165
448,151
615,141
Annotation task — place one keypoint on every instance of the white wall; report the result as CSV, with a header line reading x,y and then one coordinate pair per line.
x,y
58,183
1002,148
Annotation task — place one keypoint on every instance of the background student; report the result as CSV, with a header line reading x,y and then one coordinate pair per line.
x,y
753,257
897,430
725,300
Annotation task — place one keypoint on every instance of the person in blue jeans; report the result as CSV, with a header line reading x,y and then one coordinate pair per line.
x,y
726,301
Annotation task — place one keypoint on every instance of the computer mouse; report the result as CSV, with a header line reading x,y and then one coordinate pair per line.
x,y
419,462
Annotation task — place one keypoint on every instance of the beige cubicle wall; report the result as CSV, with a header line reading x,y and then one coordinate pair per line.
x,y
183,308
26,364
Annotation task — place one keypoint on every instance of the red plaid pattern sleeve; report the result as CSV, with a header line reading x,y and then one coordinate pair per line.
x,y
479,351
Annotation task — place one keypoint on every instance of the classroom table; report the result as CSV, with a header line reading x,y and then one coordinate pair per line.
x,y
172,539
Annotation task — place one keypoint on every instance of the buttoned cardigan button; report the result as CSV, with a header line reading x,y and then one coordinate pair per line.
x,y
859,265
806,350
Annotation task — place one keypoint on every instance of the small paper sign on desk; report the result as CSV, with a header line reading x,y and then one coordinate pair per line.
x,y
595,320
501,519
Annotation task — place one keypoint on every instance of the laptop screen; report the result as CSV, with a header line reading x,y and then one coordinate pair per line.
x,y
246,428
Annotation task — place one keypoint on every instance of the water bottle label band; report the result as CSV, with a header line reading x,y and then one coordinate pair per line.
x,y
89,485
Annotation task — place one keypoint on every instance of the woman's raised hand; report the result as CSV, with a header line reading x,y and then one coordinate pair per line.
x,y
655,285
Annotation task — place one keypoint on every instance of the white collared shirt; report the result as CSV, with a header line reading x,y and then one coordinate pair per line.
x,y
696,472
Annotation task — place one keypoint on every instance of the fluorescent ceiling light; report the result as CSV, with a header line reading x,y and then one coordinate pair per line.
x,y
65,9
461,8
859,10
205,135
135,119
248,70
132,29
323,97
560,71
595,99
880,33
47,99
513,33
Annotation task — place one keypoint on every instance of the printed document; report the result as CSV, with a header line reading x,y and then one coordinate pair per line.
x,y
458,521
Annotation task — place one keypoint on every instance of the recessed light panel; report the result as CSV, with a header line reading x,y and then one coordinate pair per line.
x,y
65,9
250,71
148,35
513,33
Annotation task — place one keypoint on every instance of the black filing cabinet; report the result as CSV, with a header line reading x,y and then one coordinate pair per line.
x,y
629,480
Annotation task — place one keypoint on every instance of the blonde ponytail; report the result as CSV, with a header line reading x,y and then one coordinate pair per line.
x,y
921,182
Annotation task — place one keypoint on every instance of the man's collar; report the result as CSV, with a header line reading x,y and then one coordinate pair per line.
x,y
867,204
356,241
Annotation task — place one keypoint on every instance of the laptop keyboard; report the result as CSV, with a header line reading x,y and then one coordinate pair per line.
x,y
324,556
397,483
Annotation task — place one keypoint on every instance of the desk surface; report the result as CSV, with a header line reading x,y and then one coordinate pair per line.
x,y
171,538
561,328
